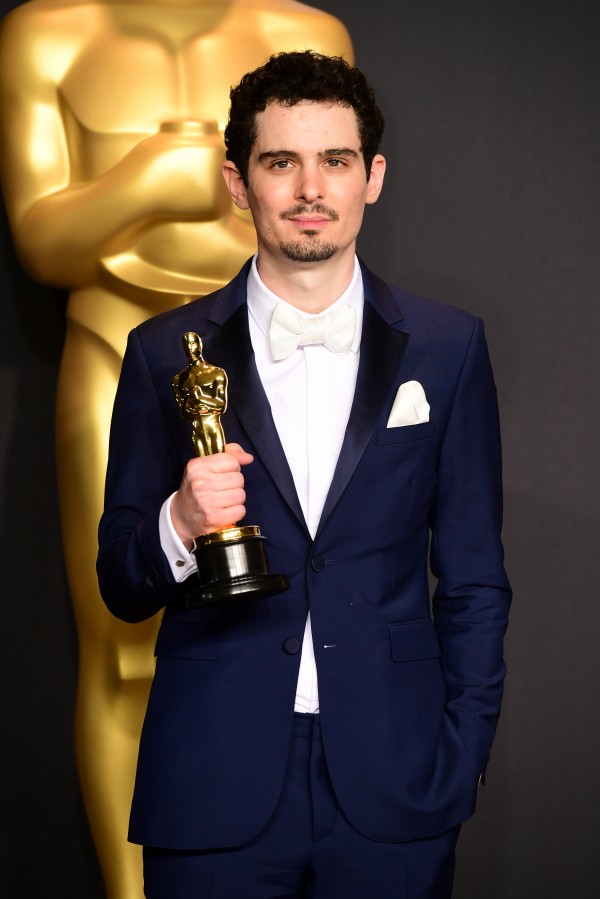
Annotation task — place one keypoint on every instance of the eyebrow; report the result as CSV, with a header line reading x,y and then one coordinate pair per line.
x,y
292,154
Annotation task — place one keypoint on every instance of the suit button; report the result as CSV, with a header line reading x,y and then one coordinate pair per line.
x,y
318,563
291,645
150,580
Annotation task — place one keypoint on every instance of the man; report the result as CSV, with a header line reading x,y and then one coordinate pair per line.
x,y
327,741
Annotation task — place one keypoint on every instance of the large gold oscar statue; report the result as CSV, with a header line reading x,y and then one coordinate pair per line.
x,y
112,116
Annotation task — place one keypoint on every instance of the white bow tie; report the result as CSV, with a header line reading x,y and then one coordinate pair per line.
x,y
289,330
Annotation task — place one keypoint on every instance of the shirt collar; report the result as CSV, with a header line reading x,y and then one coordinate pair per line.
x,y
262,301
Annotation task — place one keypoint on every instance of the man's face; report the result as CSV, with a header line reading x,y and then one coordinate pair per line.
x,y
307,184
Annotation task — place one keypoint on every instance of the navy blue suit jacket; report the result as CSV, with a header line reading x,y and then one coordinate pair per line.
x,y
409,688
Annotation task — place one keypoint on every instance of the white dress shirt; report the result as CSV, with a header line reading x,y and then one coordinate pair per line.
x,y
310,394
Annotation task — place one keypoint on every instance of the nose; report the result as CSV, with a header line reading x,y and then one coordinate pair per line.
x,y
310,184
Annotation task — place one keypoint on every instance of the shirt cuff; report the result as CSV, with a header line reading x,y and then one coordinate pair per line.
x,y
182,562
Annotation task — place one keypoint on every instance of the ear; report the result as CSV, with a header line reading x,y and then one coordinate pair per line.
x,y
235,185
375,182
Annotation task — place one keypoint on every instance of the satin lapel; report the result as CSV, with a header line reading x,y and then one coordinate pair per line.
x,y
231,348
381,350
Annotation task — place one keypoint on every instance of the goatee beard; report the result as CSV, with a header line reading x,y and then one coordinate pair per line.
x,y
309,248
309,251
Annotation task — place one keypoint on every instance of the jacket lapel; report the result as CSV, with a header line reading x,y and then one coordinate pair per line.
x,y
230,347
382,348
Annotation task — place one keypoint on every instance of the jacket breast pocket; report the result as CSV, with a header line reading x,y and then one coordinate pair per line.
x,y
407,434
413,641
184,639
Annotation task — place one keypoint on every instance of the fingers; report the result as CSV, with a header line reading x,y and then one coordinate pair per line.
x,y
211,495
235,450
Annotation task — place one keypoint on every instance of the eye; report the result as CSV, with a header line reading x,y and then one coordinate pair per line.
x,y
281,164
334,163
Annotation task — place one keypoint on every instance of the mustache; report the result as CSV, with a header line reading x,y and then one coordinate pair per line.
x,y
318,208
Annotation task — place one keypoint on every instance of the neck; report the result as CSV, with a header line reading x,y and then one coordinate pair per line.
x,y
310,287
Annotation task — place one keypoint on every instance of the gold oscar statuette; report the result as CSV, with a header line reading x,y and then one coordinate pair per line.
x,y
111,149
232,562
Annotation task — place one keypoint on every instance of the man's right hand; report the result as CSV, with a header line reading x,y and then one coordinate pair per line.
x,y
211,495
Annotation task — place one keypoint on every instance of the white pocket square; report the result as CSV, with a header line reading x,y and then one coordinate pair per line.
x,y
410,406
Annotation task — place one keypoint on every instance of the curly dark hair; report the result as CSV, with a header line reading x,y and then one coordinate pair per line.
x,y
290,78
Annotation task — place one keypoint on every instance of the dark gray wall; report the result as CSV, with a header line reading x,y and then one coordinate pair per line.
x,y
491,203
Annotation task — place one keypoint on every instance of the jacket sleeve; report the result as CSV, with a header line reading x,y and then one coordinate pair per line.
x,y
143,470
472,597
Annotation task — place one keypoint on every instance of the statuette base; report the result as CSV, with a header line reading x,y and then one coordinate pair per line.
x,y
232,564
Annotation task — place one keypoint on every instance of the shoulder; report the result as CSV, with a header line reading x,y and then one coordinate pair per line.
x,y
40,39
162,333
159,340
289,26
192,316
434,319
423,319
48,20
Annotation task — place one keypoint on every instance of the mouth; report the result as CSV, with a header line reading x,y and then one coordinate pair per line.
x,y
307,219
310,224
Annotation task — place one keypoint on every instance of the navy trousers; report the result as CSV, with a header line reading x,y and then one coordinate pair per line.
x,y
308,849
